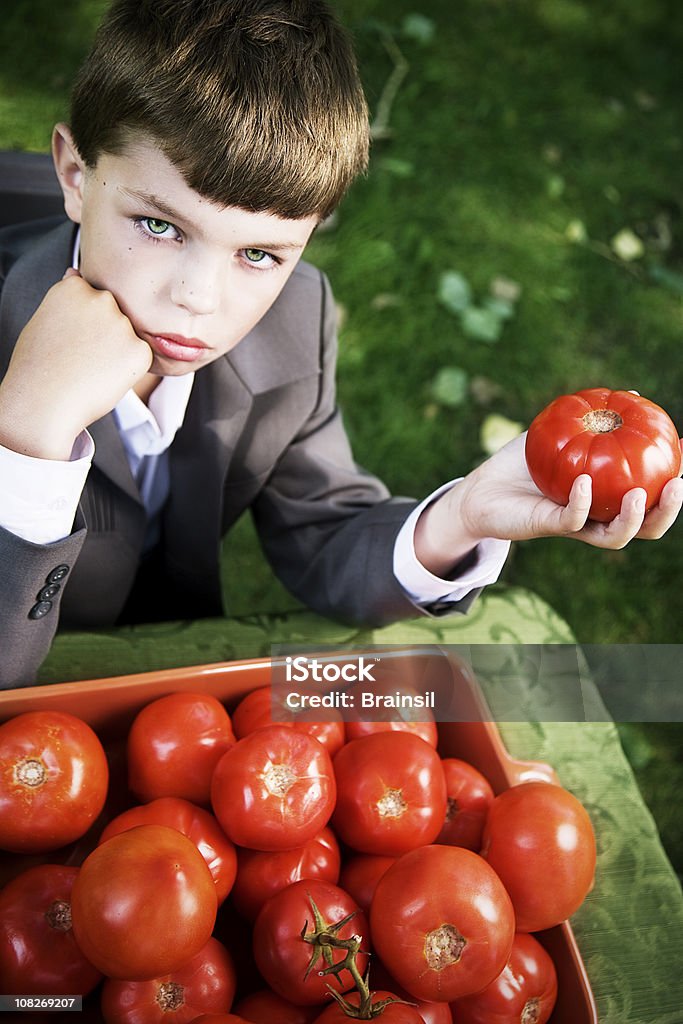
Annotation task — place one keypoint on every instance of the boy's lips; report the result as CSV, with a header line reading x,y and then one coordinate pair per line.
x,y
175,346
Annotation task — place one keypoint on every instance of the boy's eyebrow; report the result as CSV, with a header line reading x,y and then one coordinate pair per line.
x,y
149,199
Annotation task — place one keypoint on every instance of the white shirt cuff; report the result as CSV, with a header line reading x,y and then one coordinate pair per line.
x,y
424,587
39,497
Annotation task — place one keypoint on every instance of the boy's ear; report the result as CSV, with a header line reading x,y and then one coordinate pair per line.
x,y
70,170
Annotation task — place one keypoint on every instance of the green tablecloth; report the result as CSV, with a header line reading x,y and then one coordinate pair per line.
x,y
630,928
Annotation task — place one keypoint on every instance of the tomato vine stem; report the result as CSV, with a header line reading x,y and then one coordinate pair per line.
x,y
324,938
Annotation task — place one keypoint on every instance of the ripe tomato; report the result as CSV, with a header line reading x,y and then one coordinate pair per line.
x,y
392,793
144,903
539,840
431,1013
38,952
274,790
205,984
53,780
261,874
425,730
469,797
621,439
359,877
526,990
267,1007
283,955
174,745
442,923
195,823
255,710
394,1012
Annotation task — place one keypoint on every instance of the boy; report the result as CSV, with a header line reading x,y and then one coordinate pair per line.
x,y
168,362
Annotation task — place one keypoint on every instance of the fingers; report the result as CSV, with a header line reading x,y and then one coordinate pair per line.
x,y
632,522
71,272
574,515
664,514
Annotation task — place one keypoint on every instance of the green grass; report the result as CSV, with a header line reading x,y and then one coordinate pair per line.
x,y
514,122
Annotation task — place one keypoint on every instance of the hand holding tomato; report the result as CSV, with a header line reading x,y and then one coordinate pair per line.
x,y
500,500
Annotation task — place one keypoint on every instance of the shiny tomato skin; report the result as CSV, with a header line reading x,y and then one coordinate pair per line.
x,y
431,1013
442,922
391,793
174,744
53,780
539,840
642,451
395,1012
144,903
205,984
267,1007
360,874
194,822
281,954
274,790
425,730
255,710
469,797
261,874
38,951
526,990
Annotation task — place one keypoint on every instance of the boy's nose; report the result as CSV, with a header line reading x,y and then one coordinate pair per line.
x,y
198,292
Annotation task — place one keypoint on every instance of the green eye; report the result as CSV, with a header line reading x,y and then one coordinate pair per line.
x,y
255,255
157,227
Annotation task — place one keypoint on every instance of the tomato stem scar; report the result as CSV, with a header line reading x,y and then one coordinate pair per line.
x,y
602,421
170,996
392,804
58,915
30,772
443,947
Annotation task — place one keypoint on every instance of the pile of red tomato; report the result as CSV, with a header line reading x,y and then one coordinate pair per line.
x,y
311,871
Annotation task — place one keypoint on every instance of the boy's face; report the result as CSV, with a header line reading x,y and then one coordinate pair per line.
x,y
192,277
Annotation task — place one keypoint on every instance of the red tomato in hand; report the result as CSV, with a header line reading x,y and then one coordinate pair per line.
x,y
255,710
205,984
281,952
526,990
261,874
274,790
539,840
391,793
195,823
469,797
174,745
621,439
38,951
53,780
442,922
144,903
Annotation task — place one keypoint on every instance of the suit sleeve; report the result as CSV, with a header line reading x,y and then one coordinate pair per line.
x,y
327,526
33,581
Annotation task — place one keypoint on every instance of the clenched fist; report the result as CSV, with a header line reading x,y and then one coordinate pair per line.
x,y
74,360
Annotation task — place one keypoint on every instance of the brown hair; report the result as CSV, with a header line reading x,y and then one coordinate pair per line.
x,y
256,102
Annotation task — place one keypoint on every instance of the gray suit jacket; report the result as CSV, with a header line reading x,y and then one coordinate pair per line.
x,y
261,431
